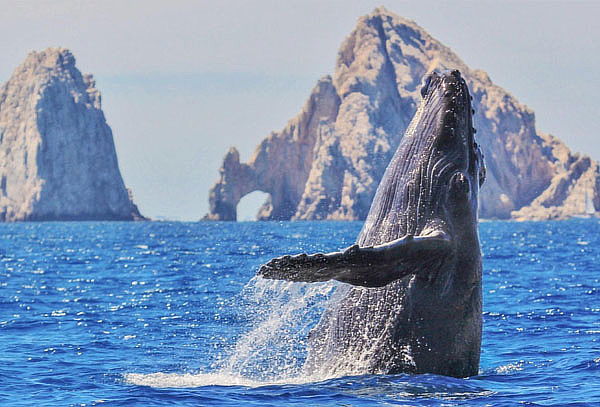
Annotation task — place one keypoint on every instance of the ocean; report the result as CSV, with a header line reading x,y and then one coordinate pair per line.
x,y
170,314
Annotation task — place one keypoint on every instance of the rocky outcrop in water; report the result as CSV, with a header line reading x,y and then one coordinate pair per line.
x,y
327,162
57,155
573,191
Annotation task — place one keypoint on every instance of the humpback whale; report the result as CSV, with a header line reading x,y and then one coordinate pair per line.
x,y
413,298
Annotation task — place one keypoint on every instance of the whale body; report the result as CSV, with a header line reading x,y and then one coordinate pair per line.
x,y
413,298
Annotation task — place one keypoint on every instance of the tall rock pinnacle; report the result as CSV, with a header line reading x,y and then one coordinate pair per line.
x,y
57,155
327,162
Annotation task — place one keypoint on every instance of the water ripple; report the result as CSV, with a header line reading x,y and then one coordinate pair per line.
x,y
156,313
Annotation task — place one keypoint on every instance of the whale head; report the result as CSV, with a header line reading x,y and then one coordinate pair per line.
x,y
433,180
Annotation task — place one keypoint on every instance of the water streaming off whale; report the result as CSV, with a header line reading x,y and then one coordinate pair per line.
x,y
274,348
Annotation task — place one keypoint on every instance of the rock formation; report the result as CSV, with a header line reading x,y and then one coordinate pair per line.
x,y
57,155
327,162
575,183
281,163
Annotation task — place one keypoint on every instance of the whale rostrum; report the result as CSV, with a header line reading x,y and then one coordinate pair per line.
x,y
414,302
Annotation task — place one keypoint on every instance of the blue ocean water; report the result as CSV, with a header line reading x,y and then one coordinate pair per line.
x,y
157,313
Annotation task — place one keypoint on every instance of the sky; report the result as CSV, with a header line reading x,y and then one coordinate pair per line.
x,y
182,81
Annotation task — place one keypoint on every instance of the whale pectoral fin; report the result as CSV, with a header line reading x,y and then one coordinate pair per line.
x,y
303,267
373,266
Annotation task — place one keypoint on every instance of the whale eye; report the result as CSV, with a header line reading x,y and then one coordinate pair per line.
x,y
426,82
460,184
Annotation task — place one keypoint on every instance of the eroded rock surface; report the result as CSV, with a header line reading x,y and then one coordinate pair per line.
x,y
573,191
327,162
57,155
281,163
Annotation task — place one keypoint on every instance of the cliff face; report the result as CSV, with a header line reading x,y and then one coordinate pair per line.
x,y
327,162
57,156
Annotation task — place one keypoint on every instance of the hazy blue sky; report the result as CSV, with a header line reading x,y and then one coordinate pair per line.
x,y
184,80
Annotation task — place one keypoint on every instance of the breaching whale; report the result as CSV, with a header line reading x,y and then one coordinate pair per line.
x,y
414,302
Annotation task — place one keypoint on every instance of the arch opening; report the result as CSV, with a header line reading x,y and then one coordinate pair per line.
x,y
249,206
